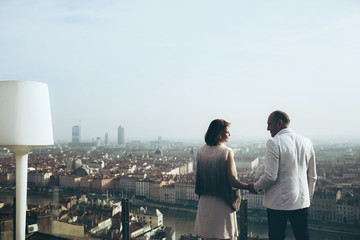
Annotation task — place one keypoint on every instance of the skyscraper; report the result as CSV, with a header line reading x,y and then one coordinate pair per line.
x,y
106,139
98,142
76,134
121,136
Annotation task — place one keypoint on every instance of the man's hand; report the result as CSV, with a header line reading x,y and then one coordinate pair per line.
x,y
252,189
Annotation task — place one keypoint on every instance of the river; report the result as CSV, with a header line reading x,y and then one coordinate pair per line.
x,y
181,221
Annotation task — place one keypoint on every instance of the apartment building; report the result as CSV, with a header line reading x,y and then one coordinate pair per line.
x,y
153,218
142,189
167,194
69,181
39,178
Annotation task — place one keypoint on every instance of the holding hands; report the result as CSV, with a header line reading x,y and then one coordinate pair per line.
x,y
251,188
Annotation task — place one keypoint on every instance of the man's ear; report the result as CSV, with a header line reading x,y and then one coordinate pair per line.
x,y
281,123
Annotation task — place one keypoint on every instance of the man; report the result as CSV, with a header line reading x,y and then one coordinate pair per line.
x,y
288,180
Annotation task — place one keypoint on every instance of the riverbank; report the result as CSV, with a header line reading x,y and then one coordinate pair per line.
x,y
182,219
259,224
146,203
335,228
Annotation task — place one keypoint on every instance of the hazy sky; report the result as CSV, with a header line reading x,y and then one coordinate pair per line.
x,y
168,67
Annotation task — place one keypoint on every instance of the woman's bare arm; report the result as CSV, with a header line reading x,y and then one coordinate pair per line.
x,y
234,182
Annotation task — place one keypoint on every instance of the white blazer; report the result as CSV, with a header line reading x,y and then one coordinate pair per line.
x,y
290,172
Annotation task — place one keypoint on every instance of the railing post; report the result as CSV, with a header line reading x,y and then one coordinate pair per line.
x,y
243,220
14,219
125,219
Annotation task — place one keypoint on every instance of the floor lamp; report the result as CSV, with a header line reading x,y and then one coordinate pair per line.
x,y
25,123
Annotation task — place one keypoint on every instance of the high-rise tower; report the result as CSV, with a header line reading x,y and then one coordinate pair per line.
x,y
121,136
106,139
76,134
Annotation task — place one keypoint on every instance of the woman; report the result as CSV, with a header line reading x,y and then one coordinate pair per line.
x,y
215,177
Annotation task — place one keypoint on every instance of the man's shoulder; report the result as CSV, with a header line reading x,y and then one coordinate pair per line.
x,y
301,138
294,136
305,141
272,142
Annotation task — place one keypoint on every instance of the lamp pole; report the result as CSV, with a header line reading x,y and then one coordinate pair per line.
x,y
21,154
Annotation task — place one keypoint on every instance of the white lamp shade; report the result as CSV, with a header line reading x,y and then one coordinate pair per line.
x,y
25,115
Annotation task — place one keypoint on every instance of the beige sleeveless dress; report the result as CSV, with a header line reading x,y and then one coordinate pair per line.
x,y
214,218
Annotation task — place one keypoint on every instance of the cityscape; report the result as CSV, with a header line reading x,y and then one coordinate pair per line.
x,y
75,190
130,88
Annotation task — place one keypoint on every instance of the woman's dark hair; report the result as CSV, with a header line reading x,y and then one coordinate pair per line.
x,y
215,132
